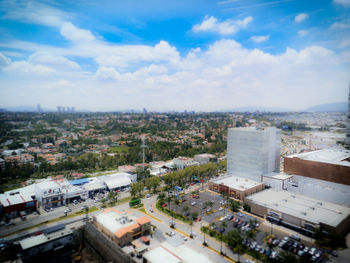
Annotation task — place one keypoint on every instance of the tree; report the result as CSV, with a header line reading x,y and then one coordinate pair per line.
x,y
223,225
136,188
234,241
185,209
194,215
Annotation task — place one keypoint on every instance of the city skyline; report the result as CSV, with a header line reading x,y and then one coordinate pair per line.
x,y
198,55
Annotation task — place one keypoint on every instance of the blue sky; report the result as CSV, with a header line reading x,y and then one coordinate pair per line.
x,y
174,55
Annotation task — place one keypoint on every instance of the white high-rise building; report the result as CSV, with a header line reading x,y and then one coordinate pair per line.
x,y
252,152
347,135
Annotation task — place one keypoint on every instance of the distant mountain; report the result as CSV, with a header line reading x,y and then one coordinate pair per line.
x,y
261,109
337,106
21,108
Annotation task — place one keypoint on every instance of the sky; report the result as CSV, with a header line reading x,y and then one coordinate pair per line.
x,y
179,55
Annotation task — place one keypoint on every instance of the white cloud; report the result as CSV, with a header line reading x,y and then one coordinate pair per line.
x,y
303,33
4,61
26,68
71,32
301,17
33,12
344,3
345,43
53,60
227,27
339,25
259,39
107,73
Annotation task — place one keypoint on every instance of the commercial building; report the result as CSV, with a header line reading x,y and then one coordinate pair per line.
x,y
44,242
319,189
253,152
165,252
182,162
15,203
236,187
332,165
300,212
121,227
49,194
205,158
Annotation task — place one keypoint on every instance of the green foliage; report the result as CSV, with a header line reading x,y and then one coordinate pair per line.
x,y
136,188
331,240
246,207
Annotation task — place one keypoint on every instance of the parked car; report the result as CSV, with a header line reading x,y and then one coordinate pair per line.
x,y
193,203
148,195
295,237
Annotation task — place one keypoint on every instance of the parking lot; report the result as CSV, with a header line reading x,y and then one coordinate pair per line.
x,y
218,213
236,220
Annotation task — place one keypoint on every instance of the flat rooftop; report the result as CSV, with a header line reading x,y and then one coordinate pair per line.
x,y
42,239
281,176
332,156
118,222
235,182
300,206
180,254
8,200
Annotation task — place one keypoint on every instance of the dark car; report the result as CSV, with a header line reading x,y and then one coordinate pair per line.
x,y
221,230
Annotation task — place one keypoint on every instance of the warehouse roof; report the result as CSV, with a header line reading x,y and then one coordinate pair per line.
x,y
306,208
41,239
167,253
332,156
116,181
235,182
79,181
8,200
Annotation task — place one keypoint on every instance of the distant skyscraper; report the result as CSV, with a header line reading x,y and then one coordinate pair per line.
x,y
347,138
73,109
252,152
63,109
59,109
39,108
144,111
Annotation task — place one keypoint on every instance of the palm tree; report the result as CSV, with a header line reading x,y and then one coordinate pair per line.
x,y
223,225
185,209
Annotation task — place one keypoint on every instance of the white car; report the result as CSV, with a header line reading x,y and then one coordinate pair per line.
x,y
185,238
193,203
220,209
223,218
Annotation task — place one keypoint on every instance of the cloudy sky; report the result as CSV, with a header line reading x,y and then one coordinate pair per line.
x,y
174,55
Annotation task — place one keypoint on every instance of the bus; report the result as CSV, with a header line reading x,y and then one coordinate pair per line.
x,y
134,202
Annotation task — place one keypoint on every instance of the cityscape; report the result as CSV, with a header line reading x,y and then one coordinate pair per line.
x,y
171,131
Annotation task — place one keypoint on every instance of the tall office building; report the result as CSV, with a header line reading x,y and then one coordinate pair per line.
x,y
252,152
347,138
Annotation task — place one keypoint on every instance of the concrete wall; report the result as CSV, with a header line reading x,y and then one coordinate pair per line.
x,y
317,170
320,189
102,247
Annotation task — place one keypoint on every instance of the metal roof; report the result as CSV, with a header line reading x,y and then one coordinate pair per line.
x,y
300,206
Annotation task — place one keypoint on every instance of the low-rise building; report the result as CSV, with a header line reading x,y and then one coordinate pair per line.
x,y
300,212
44,242
236,187
165,252
49,194
121,227
15,203
332,165
205,158
277,180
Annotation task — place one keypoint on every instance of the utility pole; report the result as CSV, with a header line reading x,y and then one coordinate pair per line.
x,y
143,146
